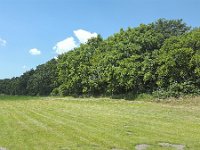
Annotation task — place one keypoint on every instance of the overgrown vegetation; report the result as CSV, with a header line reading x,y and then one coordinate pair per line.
x,y
161,58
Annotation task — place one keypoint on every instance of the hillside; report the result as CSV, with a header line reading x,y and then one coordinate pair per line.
x,y
161,58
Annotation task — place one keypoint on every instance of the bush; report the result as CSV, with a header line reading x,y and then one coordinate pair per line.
x,y
177,90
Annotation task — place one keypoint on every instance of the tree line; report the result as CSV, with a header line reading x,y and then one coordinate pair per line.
x,y
161,58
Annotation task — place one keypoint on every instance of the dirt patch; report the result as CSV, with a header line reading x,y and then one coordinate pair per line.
x,y
176,146
2,148
141,146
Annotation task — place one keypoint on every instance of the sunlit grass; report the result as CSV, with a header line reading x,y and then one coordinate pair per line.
x,y
69,123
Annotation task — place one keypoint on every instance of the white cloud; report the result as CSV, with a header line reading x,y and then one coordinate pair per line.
x,y
55,57
84,35
34,51
65,45
70,43
3,42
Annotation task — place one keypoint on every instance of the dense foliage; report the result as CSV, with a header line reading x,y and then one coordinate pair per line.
x,y
40,81
162,58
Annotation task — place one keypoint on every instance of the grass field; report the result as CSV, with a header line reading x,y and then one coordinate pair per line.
x,y
69,123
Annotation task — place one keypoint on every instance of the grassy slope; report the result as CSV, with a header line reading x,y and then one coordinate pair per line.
x,y
43,123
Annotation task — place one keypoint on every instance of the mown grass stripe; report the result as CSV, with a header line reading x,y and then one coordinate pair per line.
x,y
97,124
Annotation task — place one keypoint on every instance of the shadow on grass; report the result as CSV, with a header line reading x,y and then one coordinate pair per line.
x,y
132,97
14,98
127,96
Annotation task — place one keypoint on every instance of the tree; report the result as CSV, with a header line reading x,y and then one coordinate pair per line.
x,y
160,56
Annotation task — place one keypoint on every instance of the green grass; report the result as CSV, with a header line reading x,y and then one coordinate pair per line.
x,y
44,123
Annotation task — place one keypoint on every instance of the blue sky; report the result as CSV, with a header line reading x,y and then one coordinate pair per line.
x,y
35,31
